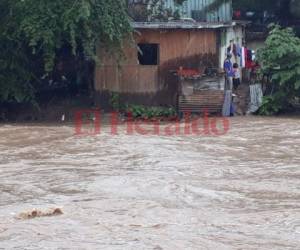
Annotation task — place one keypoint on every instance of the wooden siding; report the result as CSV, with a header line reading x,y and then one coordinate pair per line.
x,y
156,85
177,48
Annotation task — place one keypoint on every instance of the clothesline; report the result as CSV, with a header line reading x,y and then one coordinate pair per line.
x,y
246,56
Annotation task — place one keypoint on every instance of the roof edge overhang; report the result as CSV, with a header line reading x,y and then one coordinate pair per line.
x,y
185,25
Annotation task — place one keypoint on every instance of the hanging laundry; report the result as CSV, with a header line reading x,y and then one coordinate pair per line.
x,y
243,57
249,59
256,95
227,103
230,47
253,55
234,50
240,55
239,50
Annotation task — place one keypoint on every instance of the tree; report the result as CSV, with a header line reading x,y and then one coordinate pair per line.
x,y
32,32
280,59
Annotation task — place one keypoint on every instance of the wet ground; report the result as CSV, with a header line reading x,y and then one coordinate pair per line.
x,y
237,191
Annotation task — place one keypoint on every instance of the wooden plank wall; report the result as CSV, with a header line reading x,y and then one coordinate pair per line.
x,y
177,48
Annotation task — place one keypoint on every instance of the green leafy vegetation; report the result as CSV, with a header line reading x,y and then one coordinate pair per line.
x,y
146,113
115,101
280,59
32,33
272,104
140,111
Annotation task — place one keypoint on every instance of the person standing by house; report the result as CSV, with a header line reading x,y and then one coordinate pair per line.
x,y
236,76
228,68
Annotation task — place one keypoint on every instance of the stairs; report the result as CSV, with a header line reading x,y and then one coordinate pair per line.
x,y
242,99
200,101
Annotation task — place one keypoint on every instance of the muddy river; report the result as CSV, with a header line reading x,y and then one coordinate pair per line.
x,y
240,190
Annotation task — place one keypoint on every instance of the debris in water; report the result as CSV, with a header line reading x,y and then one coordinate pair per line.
x,y
38,213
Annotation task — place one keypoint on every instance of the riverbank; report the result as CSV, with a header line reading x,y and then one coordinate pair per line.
x,y
61,114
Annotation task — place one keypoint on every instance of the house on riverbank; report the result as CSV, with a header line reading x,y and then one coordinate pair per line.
x,y
149,73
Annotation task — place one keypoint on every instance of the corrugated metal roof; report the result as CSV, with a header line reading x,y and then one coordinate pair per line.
x,y
181,25
194,9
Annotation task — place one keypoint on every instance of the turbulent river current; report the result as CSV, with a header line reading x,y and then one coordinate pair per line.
x,y
240,190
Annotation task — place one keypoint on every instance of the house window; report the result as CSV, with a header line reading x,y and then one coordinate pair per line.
x,y
148,53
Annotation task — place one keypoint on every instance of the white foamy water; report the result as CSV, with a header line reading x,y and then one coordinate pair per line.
x,y
238,191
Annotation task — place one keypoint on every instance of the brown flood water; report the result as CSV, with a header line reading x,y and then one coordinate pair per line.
x,y
238,191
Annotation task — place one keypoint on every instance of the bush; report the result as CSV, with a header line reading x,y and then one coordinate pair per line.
x,y
143,112
272,105
115,101
280,58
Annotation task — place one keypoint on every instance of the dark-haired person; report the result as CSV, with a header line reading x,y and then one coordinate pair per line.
x,y
228,68
236,76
